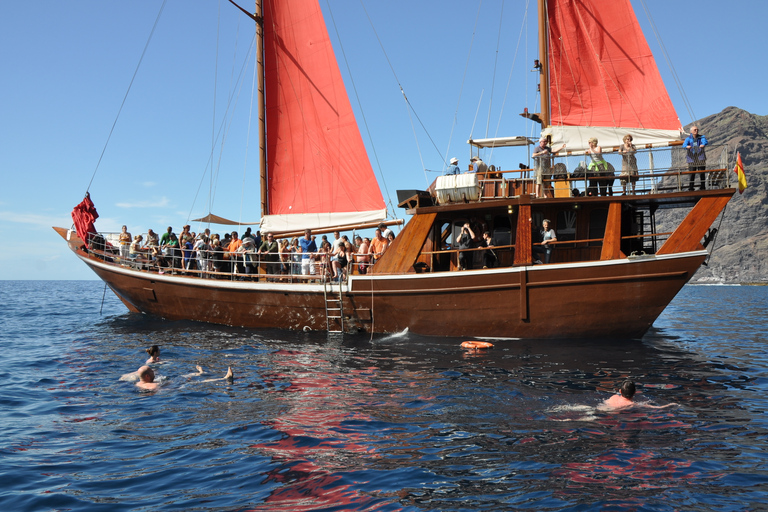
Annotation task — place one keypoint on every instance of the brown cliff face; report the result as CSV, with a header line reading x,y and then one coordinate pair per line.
x,y
739,254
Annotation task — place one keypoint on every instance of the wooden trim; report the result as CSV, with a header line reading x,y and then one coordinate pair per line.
x,y
398,260
687,237
612,237
523,240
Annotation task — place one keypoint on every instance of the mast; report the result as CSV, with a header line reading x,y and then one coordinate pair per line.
x,y
259,17
544,56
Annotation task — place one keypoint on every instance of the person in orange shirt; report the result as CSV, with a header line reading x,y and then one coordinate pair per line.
x,y
378,246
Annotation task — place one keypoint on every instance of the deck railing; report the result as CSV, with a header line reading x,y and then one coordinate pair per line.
x,y
659,171
239,265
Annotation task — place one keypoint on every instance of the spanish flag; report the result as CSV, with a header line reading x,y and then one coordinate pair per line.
x,y
739,170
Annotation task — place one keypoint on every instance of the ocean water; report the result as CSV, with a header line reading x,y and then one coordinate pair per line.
x,y
327,422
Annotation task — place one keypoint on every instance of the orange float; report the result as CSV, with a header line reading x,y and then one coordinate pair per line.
x,y
476,345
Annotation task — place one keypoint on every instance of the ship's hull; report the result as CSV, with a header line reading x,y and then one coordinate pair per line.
x,y
615,298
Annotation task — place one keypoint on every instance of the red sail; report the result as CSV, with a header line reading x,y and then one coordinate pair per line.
x,y
317,168
602,72
84,215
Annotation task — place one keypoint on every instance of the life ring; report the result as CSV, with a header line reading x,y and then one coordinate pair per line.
x,y
476,345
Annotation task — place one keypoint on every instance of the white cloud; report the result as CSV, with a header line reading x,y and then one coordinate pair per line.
x,y
157,203
36,219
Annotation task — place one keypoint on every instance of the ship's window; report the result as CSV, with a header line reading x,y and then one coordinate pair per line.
x,y
446,235
566,225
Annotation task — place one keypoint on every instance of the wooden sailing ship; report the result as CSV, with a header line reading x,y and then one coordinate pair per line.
x,y
611,273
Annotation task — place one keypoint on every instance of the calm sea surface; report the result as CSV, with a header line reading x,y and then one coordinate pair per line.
x,y
325,422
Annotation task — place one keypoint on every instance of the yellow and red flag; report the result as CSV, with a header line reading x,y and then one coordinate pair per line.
x,y
739,170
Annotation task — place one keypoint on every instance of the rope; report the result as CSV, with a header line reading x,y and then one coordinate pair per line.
x,y
714,237
402,91
461,88
678,83
495,65
360,105
136,71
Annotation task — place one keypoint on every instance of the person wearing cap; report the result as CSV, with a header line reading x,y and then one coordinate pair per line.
x,y
478,166
454,167
542,156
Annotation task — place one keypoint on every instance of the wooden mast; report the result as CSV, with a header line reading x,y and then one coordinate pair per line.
x,y
262,114
544,60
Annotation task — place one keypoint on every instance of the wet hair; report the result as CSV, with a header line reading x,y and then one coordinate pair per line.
x,y
146,370
153,351
627,389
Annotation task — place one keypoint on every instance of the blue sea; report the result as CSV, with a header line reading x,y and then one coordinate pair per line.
x,y
316,421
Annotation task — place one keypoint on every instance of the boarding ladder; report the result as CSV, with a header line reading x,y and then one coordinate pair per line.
x,y
334,313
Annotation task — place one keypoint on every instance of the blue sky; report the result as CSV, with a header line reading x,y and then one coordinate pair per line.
x,y
67,65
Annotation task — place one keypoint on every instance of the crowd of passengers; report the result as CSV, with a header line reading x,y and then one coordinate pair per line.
x,y
210,255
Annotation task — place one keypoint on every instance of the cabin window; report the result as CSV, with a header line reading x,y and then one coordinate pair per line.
x,y
566,225
445,235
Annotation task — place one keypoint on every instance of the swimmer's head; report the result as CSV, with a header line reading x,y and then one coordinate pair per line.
x,y
627,389
153,351
146,374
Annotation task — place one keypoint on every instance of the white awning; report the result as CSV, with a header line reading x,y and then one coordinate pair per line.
x,y
576,138
302,221
500,142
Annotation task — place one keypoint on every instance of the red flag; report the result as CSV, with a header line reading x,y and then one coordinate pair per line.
x,y
739,170
83,215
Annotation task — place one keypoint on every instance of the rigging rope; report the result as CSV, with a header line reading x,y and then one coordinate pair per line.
x,y
146,46
678,83
493,76
362,111
402,91
461,88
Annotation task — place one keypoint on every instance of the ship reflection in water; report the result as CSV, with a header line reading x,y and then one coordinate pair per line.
x,y
318,422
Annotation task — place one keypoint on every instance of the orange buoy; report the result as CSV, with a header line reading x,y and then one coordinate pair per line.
x,y
476,345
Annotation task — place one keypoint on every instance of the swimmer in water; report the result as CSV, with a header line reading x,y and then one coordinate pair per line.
x,y
147,379
624,399
229,376
154,354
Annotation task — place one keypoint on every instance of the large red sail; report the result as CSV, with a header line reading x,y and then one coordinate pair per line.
x,y
602,72
317,168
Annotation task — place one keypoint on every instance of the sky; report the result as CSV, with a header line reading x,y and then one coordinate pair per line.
x,y
464,66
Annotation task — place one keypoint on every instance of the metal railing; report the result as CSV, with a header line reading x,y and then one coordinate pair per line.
x,y
241,265
659,171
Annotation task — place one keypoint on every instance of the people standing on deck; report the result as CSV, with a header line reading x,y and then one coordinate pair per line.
x,y
599,167
125,242
489,255
363,255
308,250
270,249
465,242
385,231
136,248
548,236
628,164
378,246
453,169
478,166
542,157
696,157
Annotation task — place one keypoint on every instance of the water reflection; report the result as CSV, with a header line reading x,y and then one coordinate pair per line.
x,y
398,422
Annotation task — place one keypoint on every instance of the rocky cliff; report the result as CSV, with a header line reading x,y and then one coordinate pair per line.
x,y
739,253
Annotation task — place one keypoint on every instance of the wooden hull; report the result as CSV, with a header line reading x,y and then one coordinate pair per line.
x,y
611,299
